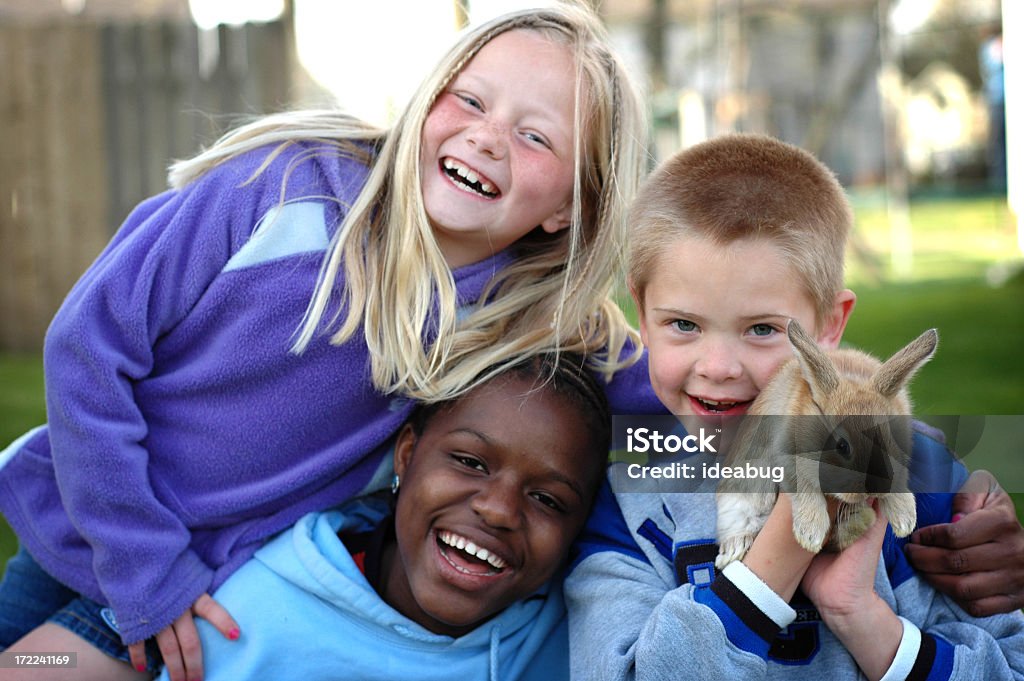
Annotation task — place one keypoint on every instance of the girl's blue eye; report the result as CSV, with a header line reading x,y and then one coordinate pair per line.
x,y
472,101
762,330
684,325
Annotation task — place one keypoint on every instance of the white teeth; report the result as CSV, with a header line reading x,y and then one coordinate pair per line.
x,y
472,549
469,175
716,406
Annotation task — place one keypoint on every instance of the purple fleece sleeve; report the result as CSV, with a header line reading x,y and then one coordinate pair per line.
x,y
101,343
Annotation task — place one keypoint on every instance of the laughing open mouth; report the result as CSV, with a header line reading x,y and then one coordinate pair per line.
x,y
468,180
467,557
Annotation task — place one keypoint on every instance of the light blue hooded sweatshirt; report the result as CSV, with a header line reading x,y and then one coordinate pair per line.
x,y
306,612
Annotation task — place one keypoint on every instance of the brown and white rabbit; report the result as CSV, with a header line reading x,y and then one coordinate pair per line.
x,y
840,426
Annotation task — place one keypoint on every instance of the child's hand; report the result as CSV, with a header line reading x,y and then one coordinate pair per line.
x,y
842,587
839,583
775,556
978,560
179,643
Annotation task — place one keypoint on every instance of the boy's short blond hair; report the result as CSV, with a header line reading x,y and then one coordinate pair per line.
x,y
743,186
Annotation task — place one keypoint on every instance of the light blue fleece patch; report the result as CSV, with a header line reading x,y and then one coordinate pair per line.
x,y
297,227
12,449
108,616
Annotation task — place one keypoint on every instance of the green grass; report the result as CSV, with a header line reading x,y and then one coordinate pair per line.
x,y
952,238
978,367
21,403
8,544
21,395
958,243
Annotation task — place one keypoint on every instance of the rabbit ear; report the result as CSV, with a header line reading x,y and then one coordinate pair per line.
x,y
898,369
817,369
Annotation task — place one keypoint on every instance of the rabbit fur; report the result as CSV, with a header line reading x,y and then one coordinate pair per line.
x,y
852,430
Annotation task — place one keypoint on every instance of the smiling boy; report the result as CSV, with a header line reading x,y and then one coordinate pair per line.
x,y
732,239
450,579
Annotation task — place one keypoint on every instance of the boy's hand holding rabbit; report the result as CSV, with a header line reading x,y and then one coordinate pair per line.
x,y
842,588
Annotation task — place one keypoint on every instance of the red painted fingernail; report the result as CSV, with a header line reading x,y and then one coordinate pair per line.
x,y
140,667
234,634
957,517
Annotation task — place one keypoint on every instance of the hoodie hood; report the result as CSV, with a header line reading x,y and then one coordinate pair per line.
x,y
526,638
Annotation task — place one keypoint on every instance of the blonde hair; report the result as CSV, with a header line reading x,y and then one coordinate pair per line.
x,y
554,296
746,186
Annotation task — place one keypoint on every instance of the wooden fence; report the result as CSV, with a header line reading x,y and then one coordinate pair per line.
x,y
90,117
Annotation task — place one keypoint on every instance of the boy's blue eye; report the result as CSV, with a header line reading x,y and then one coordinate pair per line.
x,y
534,137
762,330
684,325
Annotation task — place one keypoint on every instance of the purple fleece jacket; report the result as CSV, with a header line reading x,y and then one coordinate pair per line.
x,y
182,432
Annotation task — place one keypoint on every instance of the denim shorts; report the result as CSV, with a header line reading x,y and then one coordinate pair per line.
x,y
29,597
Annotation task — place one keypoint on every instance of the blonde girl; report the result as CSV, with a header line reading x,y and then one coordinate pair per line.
x,y
555,295
396,265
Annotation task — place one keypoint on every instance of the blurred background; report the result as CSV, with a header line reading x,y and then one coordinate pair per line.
x,y
906,100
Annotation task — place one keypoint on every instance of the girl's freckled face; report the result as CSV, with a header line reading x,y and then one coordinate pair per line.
x,y
497,155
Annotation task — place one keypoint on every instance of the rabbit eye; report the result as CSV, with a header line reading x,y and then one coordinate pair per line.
x,y
843,447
